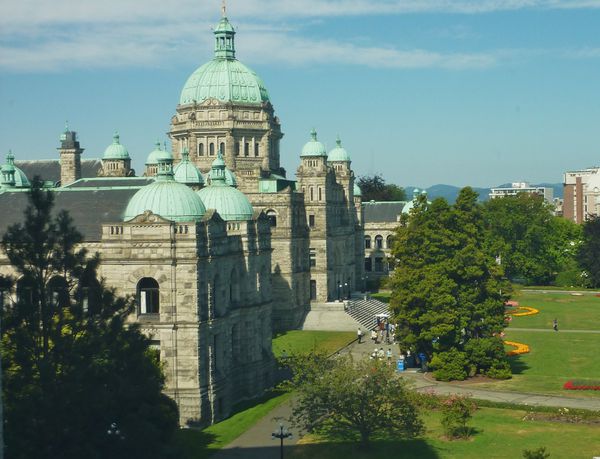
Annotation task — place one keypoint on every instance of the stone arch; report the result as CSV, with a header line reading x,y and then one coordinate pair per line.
x,y
379,241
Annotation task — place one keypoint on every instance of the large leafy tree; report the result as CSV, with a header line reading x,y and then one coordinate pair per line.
x,y
374,188
447,290
352,400
78,381
531,242
589,251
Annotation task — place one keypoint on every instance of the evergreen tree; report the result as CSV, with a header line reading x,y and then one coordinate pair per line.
x,y
374,188
78,381
448,291
589,251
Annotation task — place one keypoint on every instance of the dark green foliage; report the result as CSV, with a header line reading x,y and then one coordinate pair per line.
x,y
451,365
487,355
589,252
447,289
539,453
457,410
72,370
374,188
534,245
353,400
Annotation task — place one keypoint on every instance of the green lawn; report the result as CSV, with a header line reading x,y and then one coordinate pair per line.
x,y
200,444
382,296
300,341
500,434
572,312
554,358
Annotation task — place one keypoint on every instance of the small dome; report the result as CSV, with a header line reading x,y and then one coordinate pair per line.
x,y
229,202
186,172
313,147
115,150
11,176
339,153
230,178
157,154
410,204
357,190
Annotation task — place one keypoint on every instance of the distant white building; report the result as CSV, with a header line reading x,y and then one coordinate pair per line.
x,y
523,187
581,194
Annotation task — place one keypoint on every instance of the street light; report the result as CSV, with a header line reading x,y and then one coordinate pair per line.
x,y
339,291
281,432
347,290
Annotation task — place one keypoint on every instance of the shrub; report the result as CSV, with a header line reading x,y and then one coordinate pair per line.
x,y
539,453
488,355
456,413
450,365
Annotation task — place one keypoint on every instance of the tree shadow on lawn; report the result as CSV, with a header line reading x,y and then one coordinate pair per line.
x,y
194,444
398,449
517,365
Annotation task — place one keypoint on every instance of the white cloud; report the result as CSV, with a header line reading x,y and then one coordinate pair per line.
x,y
37,35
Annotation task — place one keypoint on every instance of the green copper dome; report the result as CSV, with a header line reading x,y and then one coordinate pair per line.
x,y
410,204
11,176
229,202
339,153
157,154
357,191
313,147
186,172
115,150
224,78
166,197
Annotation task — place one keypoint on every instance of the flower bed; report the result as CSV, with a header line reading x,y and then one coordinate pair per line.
x,y
575,384
526,311
520,348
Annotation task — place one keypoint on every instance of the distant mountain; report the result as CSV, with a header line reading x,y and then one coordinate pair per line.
x,y
450,192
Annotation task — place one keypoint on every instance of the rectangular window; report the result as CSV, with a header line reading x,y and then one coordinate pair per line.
x,y
246,149
378,264
320,194
311,221
256,149
312,257
368,265
313,290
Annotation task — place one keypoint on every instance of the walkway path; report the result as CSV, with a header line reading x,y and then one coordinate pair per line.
x,y
256,443
549,330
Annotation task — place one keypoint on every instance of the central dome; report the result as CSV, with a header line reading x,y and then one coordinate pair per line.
x,y
224,78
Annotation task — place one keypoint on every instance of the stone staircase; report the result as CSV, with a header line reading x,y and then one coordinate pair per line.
x,y
364,310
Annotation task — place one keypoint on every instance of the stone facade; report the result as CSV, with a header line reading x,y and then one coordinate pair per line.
x,y
70,158
581,199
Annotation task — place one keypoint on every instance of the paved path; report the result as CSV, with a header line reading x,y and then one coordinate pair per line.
x,y
564,292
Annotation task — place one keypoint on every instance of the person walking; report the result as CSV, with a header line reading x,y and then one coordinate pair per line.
x,y
359,333
555,325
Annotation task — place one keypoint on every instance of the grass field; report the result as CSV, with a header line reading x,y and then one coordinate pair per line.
x,y
572,312
300,341
499,434
200,444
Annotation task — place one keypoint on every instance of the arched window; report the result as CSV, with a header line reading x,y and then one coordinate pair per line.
x,y
379,241
58,291
25,291
222,148
200,149
247,149
272,216
367,242
148,295
211,149
256,149
389,241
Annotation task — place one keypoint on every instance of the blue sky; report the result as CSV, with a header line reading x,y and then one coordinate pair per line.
x,y
431,91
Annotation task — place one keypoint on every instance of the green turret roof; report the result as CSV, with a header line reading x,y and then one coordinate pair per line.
x,y
339,153
224,78
115,150
229,202
166,197
313,147
157,154
357,190
11,176
230,178
186,172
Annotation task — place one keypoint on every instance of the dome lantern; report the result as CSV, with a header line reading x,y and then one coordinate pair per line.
x,y
313,147
186,172
339,153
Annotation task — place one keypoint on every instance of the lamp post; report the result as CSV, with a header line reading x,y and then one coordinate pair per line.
x,y
339,291
346,290
281,432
